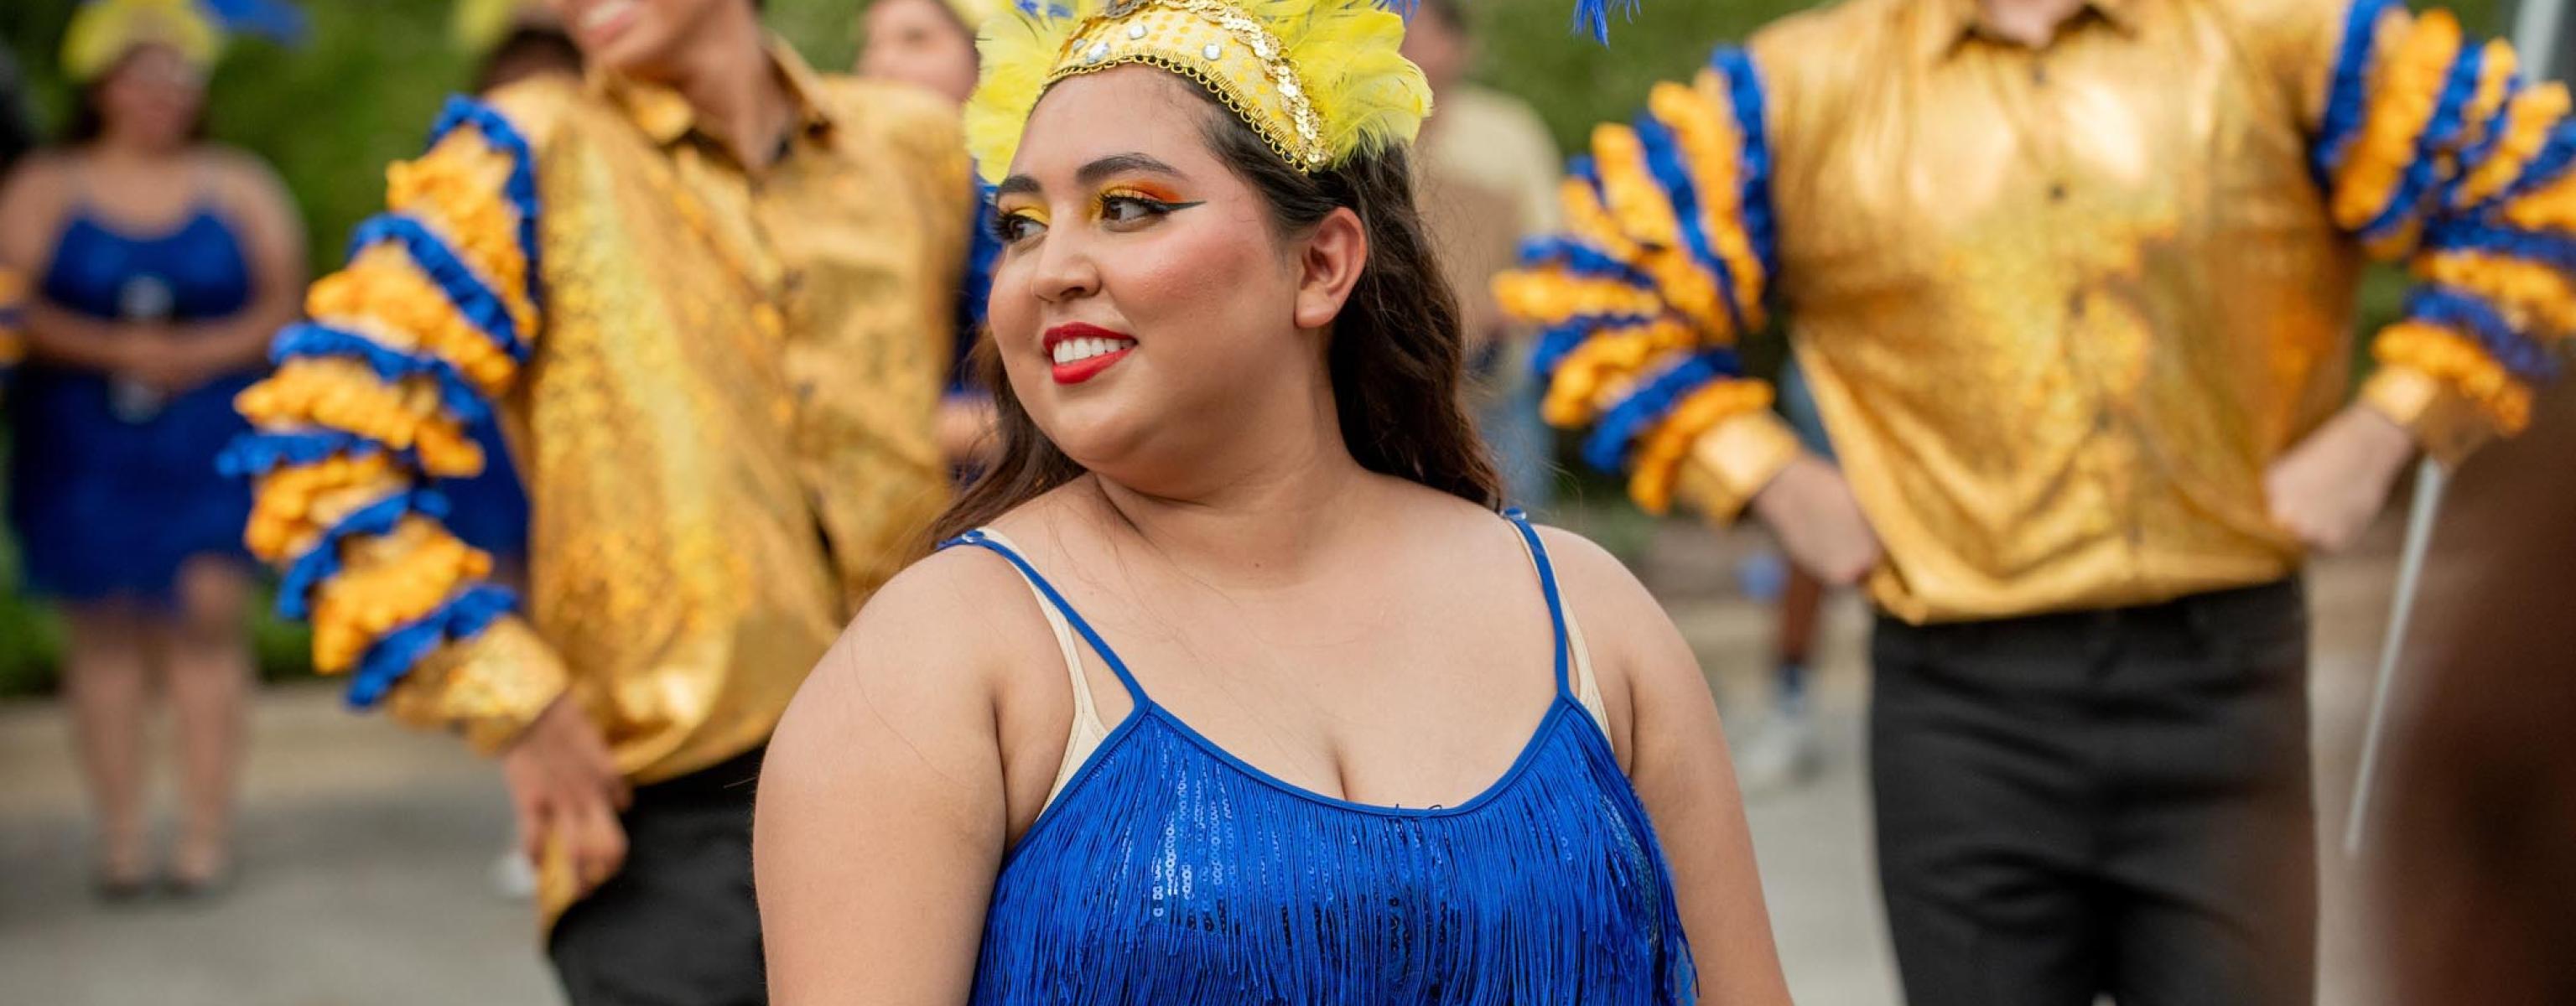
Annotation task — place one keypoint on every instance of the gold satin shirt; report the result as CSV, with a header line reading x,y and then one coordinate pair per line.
x,y
2060,307
726,428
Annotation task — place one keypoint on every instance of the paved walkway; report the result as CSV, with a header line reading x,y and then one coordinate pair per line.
x,y
366,848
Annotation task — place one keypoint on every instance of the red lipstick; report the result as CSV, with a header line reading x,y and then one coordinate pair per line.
x,y
1079,352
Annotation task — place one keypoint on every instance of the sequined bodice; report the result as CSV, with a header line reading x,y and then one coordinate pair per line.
x,y
1170,871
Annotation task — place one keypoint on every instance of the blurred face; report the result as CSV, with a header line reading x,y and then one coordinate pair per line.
x,y
919,42
640,38
1143,307
1439,47
152,98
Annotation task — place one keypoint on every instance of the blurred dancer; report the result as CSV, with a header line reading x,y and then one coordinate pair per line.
x,y
1487,179
711,295
2475,878
930,44
161,263
1242,515
2073,282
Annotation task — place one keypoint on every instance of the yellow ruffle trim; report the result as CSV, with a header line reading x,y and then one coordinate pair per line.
x,y
343,394
385,584
1593,375
289,508
1705,131
1551,297
2531,296
458,190
1660,457
2551,207
384,295
1591,222
1637,202
2458,362
2406,84
2527,124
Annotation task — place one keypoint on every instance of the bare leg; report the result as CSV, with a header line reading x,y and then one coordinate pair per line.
x,y
105,680
210,675
1799,606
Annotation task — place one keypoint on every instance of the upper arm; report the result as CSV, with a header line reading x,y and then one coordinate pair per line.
x,y
881,816
31,202
1681,772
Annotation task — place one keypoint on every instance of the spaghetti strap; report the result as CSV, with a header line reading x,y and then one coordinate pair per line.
x,y
985,540
1555,601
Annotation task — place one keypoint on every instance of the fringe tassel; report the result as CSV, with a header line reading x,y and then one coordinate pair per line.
x,y
1169,872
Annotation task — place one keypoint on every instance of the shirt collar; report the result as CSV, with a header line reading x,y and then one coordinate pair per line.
x,y
1942,24
666,116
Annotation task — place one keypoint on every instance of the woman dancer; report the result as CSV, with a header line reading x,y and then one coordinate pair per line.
x,y
161,263
1290,715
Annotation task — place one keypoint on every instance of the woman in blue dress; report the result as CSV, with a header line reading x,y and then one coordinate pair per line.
x,y
158,263
1232,686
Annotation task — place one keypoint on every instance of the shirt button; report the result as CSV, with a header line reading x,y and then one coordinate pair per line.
x,y
2057,192
2039,74
2075,305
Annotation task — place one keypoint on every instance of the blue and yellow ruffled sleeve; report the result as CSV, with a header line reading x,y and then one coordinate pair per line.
x,y
1641,301
2433,149
407,344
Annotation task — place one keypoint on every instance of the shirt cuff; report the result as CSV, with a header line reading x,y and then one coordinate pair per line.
x,y
2443,422
487,688
1733,461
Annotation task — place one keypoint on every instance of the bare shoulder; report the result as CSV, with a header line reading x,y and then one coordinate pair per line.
x,y
928,628
245,182
1623,624
33,201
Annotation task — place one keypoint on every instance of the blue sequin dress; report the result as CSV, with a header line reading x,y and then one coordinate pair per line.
x,y
112,486
1168,871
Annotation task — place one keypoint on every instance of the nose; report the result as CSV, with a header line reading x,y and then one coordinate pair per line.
x,y
1065,269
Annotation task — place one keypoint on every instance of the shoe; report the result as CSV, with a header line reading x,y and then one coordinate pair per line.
x,y
199,874
1782,754
113,888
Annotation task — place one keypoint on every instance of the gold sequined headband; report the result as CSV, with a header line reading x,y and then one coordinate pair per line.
x,y
1321,81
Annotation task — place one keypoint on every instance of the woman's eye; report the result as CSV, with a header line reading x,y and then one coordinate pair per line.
x,y
1130,209
1013,228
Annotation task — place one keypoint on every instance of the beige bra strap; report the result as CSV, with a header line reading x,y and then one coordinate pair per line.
x,y
1587,688
1088,732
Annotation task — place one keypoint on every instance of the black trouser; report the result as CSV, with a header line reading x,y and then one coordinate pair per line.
x,y
678,924
2107,801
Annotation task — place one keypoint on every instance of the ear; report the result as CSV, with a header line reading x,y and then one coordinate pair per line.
x,y
1329,267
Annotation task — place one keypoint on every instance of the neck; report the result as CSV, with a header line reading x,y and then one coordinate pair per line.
x,y
1256,512
116,148
735,91
2029,22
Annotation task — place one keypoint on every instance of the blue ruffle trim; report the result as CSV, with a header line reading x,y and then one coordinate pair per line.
x,y
1744,86
254,454
311,340
2347,98
1555,343
1579,259
2550,164
2459,309
2490,135
1664,159
2440,134
1607,448
522,186
322,561
464,616
2557,251
481,307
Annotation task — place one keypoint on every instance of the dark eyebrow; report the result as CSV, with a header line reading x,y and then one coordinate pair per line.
x,y
1118,164
1016,185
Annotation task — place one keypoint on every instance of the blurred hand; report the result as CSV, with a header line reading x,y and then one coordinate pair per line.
x,y
165,361
2329,487
1819,522
567,792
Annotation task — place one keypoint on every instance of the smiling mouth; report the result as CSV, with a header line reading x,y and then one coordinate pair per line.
x,y
1079,353
604,15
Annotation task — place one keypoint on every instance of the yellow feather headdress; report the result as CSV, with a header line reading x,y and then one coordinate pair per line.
x,y
1319,80
102,32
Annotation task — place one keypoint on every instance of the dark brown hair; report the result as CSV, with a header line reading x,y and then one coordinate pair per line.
x,y
89,113
1396,350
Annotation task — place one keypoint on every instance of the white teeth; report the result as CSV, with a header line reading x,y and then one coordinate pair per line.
x,y
600,14
1075,350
